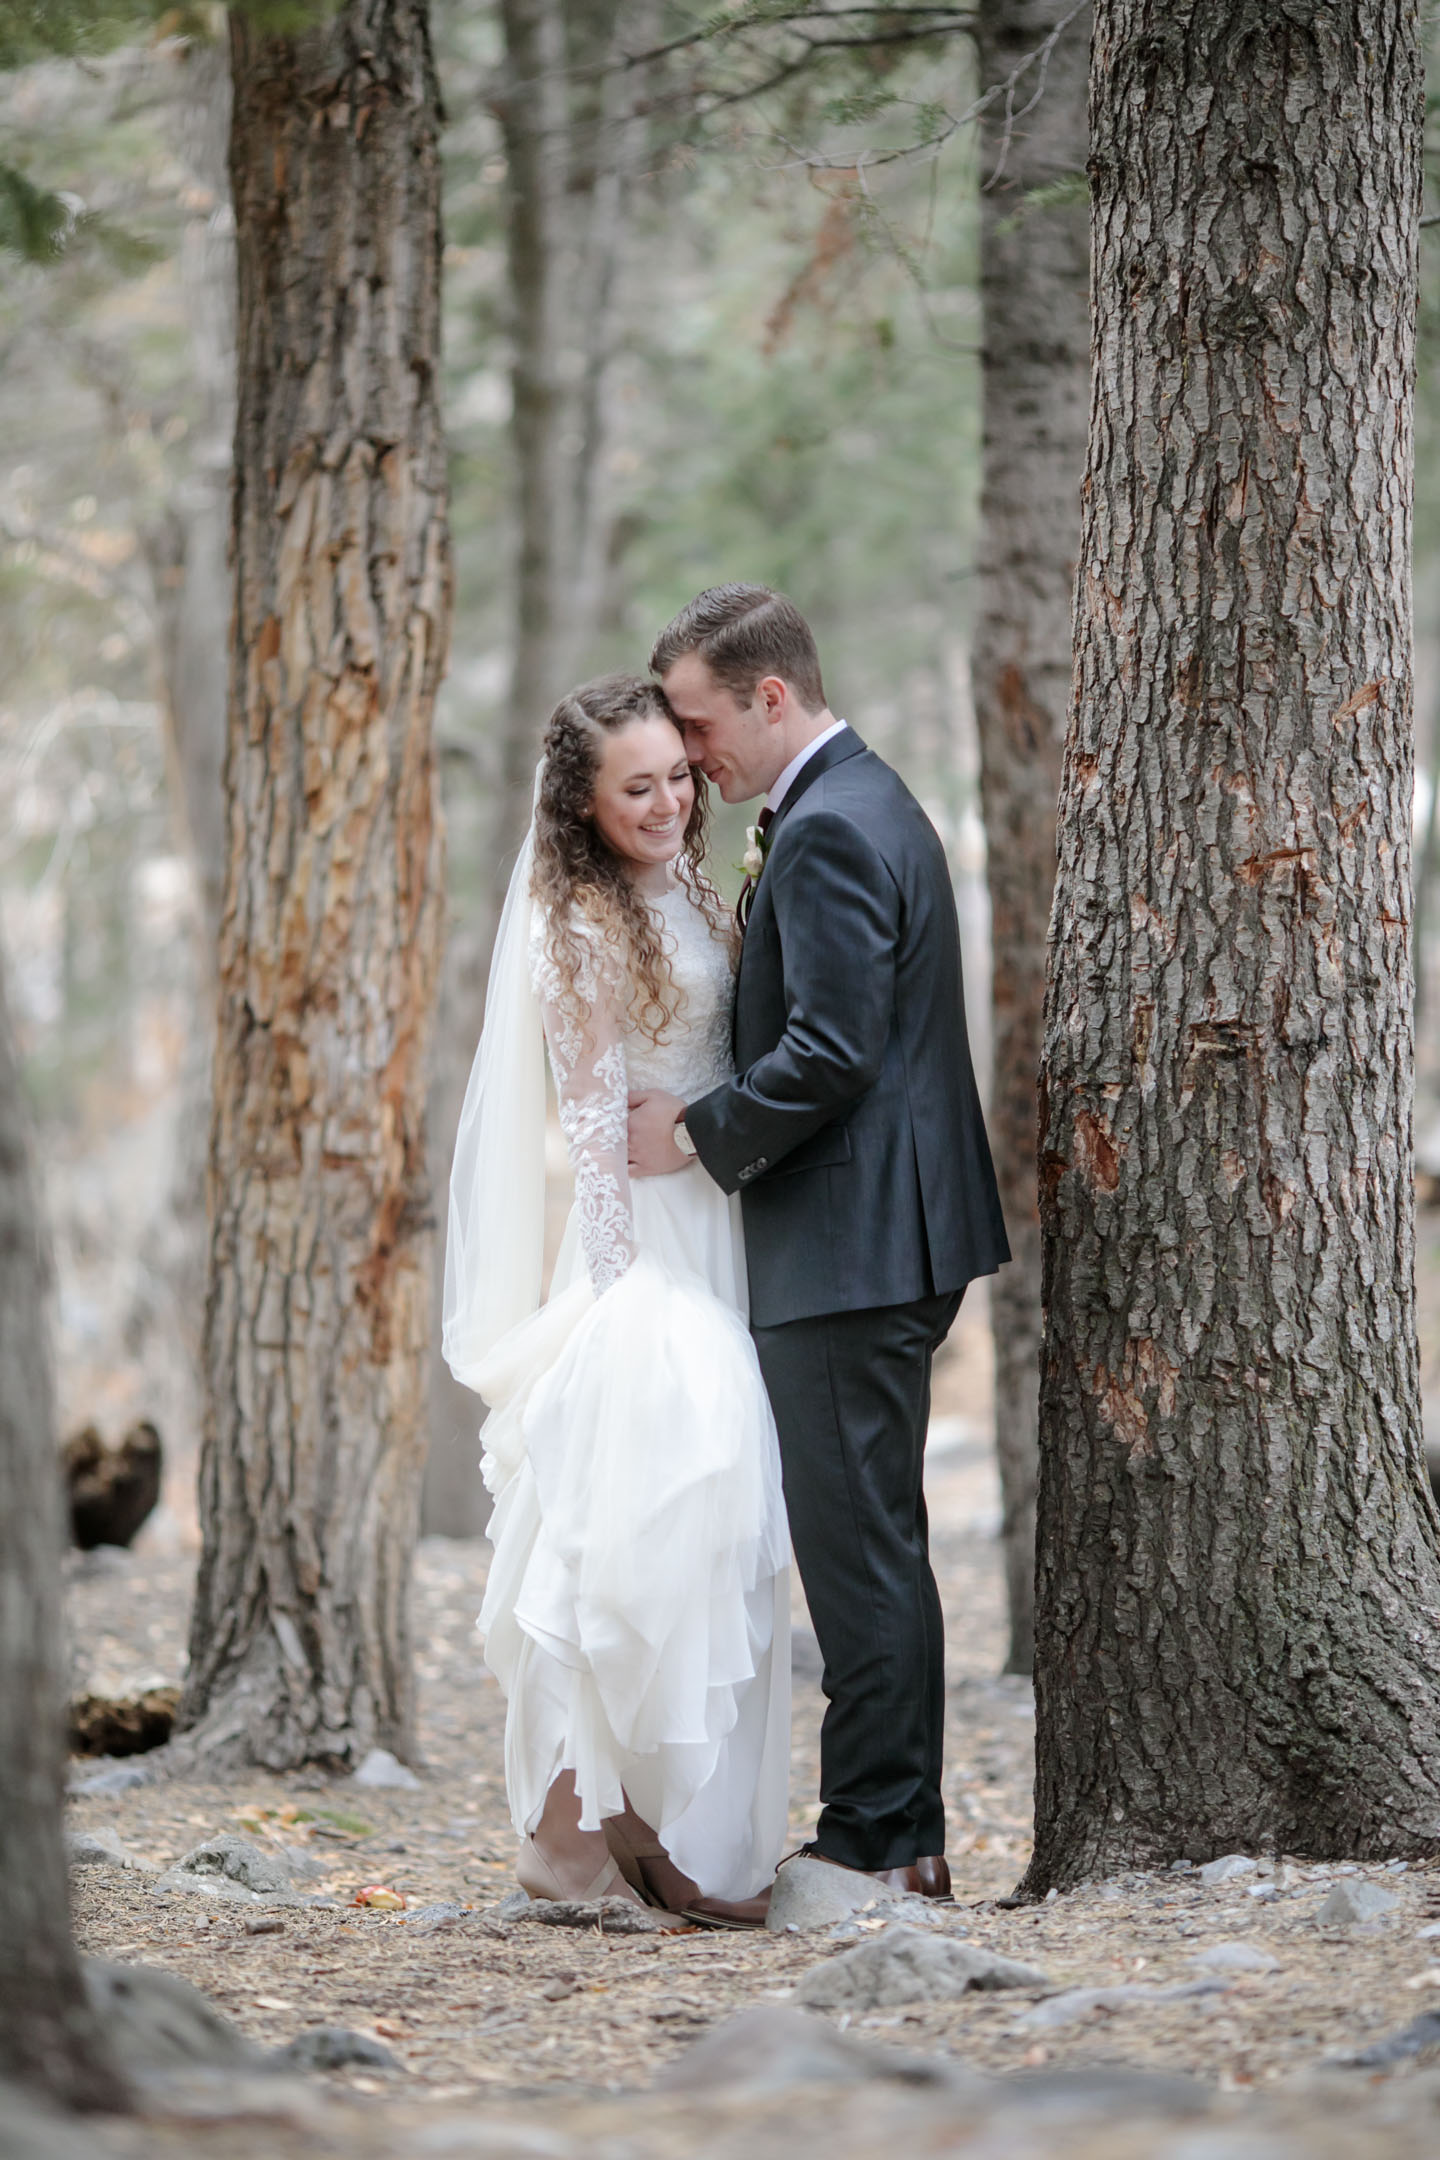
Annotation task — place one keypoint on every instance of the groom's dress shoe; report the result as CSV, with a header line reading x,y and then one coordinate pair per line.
x,y
934,1873
715,1912
929,1877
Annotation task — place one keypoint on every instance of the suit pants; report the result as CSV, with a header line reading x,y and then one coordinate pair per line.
x,y
851,1396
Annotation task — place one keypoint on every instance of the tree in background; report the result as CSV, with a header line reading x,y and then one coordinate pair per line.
x,y
1034,286
49,2037
1238,1601
318,1316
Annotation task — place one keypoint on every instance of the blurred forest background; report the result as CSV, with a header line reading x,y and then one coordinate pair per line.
x,y
772,372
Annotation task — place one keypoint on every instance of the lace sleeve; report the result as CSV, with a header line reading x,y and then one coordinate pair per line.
x,y
587,1057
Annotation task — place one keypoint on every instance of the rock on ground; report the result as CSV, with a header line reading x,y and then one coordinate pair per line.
x,y
1354,1901
236,1869
813,1894
99,1848
904,1966
1236,1957
1417,2038
772,2047
1077,2003
333,2047
156,2021
380,1768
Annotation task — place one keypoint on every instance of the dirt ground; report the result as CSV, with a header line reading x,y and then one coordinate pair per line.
x,y
548,2021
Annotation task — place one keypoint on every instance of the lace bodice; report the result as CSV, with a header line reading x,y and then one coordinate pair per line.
x,y
600,1054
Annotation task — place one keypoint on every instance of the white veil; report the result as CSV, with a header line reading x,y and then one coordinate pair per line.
x,y
495,1247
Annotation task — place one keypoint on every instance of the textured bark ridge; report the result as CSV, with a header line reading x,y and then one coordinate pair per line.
x,y
1238,1624
1034,282
319,1292
48,2034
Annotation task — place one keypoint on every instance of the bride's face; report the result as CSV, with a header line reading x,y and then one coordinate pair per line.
x,y
644,792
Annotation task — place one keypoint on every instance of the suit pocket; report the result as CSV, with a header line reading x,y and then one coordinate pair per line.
x,y
829,1146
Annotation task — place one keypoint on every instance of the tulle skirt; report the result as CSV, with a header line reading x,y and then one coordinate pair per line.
x,y
637,1611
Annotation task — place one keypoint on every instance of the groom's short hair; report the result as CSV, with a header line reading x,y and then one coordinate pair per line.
x,y
743,633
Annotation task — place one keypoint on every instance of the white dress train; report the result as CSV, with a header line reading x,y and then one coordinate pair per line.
x,y
637,1611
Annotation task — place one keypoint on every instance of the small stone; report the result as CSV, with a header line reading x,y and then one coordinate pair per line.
x,y
1414,2039
116,1777
904,1966
1428,1934
98,1848
333,2047
1236,1957
1352,1902
1264,1893
264,1924
381,1768
1078,2003
562,1985
772,2047
235,1869
1227,1869
430,1918
815,1894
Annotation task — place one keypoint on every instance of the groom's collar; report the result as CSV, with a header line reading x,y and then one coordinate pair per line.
x,y
829,751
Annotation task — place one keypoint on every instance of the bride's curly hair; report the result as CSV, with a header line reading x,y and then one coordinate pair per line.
x,y
577,874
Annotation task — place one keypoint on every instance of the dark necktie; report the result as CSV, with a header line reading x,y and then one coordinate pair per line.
x,y
747,890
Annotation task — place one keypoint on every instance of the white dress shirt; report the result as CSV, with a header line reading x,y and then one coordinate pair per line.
x,y
802,757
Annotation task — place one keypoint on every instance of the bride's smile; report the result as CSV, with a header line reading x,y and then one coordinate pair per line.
x,y
644,794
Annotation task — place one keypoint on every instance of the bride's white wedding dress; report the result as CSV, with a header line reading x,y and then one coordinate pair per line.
x,y
637,1611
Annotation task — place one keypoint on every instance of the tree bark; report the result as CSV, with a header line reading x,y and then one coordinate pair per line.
x,y
1238,1618
49,2037
1034,286
318,1309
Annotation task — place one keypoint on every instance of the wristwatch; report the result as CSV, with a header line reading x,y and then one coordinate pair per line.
x,y
682,1138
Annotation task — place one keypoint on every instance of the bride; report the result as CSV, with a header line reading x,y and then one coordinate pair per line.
x,y
637,1610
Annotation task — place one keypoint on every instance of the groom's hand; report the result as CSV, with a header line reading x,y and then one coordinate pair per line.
x,y
652,1134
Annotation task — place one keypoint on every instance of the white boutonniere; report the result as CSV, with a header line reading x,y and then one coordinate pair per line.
x,y
752,862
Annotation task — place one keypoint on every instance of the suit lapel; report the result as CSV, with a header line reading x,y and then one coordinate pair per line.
x,y
840,747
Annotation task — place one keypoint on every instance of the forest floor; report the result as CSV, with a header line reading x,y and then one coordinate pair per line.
x,y
544,2041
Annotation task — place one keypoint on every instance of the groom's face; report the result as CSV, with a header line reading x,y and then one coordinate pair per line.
x,y
735,742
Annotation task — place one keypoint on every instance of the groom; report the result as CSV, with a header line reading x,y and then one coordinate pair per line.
x,y
854,1136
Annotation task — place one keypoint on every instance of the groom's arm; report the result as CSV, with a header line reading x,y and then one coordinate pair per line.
x,y
837,910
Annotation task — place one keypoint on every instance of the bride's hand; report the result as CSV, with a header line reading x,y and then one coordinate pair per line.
x,y
652,1134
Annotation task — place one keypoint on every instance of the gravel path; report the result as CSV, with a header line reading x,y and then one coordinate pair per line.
x,y
477,2006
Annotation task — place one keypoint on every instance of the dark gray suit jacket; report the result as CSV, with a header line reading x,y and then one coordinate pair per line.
x,y
853,1131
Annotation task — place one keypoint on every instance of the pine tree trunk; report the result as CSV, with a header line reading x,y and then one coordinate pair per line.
x,y
1034,285
1238,1612
321,1223
48,2036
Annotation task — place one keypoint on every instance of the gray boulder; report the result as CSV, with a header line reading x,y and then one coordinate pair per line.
x,y
1078,2003
771,2048
233,1869
1419,2037
99,1848
902,1965
1236,1957
1229,1868
1354,1901
157,2022
813,1894
333,2047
